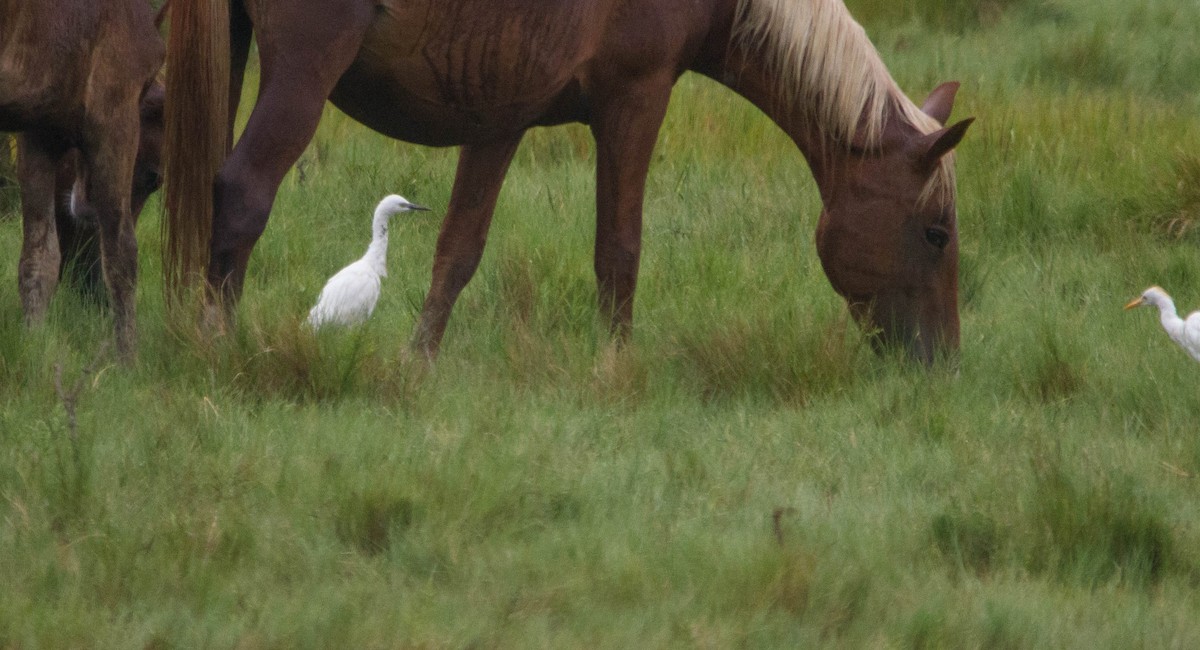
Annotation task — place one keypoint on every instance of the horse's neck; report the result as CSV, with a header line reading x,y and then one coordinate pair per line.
x,y
746,75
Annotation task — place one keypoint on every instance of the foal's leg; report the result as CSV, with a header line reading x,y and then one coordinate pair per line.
x,y
109,159
302,57
481,170
37,272
625,125
78,237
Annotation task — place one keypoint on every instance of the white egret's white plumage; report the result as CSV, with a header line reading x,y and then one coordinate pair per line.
x,y
1185,332
350,295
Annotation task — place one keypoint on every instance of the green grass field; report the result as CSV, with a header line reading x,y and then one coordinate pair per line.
x,y
747,474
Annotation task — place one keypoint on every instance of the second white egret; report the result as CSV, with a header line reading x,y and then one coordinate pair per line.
x,y
350,295
1185,332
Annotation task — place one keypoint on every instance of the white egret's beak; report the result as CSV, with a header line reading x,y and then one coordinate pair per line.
x,y
1136,302
414,206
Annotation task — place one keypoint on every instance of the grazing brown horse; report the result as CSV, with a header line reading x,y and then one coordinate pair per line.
x,y
72,74
478,73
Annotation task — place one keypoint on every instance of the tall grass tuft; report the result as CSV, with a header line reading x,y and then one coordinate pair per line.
x,y
1051,371
368,518
1095,529
779,358
267,357
68,459
968,541
1173,209
1093,58
66,462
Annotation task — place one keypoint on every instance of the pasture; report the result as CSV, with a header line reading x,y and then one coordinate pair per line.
x,y
746,474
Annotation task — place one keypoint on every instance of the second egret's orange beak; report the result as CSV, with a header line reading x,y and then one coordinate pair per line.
x,y
1136,302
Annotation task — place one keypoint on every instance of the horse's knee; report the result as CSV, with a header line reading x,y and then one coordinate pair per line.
x,y
239,214
118,242
457,271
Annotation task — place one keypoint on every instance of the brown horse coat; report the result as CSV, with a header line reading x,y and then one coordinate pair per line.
x,y
75,221
71,76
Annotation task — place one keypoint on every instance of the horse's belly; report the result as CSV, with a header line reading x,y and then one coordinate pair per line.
x,y
25,90
469,74
27,100
397,110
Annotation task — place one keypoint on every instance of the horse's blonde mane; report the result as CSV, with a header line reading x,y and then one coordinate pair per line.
x,y
829,70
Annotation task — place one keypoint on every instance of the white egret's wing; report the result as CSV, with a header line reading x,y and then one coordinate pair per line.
x,y
348,298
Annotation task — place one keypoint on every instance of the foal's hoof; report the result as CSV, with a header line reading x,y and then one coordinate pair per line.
x,y
127,348
416,355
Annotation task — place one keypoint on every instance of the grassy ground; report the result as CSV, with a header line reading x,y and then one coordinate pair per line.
x,y
747,474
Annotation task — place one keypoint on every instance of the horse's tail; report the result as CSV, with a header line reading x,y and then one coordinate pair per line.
x,y
196,116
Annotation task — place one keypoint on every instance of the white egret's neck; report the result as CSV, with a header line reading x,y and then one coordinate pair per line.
x,y
1160,299
1167,315
1171,321
377,252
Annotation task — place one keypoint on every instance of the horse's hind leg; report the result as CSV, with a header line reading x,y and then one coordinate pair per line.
x,y
37,272
481,170
301,61
625,125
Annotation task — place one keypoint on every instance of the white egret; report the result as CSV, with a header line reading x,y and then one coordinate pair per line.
x,y
350,295
1184,332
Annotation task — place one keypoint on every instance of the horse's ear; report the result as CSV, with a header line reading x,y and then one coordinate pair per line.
x,y
940,102
930,148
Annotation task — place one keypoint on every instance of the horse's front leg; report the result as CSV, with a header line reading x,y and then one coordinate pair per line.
x,y
244,191
625,124
37,271
481,170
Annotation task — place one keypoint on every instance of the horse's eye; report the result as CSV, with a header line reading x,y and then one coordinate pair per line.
x,y
937,236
